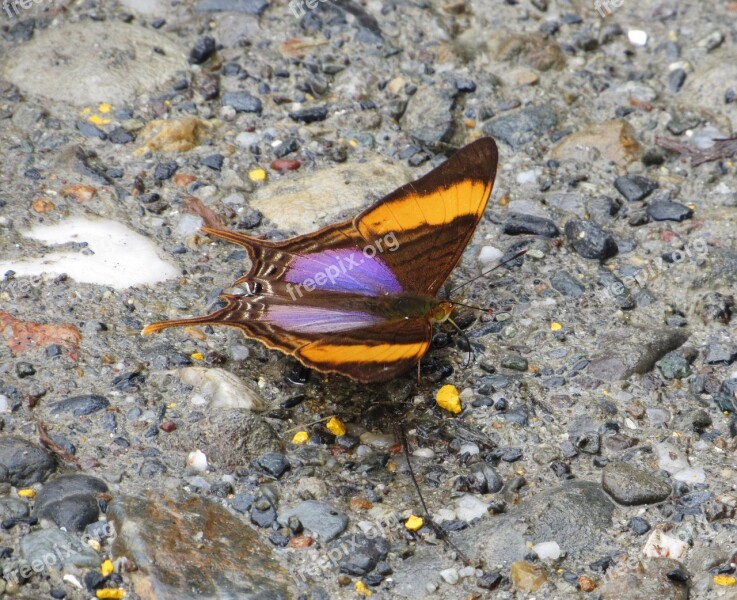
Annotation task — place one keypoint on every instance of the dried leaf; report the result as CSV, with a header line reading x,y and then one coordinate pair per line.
x,y
724,148
79,193
194,205
53,446
22,336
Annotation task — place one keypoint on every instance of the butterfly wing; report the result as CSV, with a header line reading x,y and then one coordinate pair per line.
x,y
433,217
333,335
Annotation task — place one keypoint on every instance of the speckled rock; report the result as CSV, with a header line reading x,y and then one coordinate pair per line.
x,y
23,463
632,486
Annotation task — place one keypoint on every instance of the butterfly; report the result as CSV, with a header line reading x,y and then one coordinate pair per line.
x,y
359,297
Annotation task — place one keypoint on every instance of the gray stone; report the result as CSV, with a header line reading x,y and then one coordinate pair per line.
x,y
228,560
576,515
319,517
80,406
23,463
54,546
666,210
70,501
523,126
567,284
249,7
589,240
674,366
634,350
13,508
429,115
242,102
635,187
130,60
717,353
632,486
517,223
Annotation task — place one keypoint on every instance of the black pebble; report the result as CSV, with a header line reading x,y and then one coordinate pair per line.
x,y
120,136
635,187
666,210
310,115
676,79
214,161
589,240
165,170
203,49
274,463
519,223
638,525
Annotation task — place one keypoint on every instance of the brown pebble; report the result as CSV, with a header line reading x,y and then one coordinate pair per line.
x,y
43,206
301,541
168,426
282,165
79,193
586,584
183,179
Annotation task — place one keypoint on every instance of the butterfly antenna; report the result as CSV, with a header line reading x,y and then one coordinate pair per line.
x,y
472,354
439,531
501,264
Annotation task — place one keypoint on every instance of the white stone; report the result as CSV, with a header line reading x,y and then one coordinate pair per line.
x,y
239,352
188,225
221,388
530,176
423,453
470,507
670,458
691,475
637,37
119,257
468,448
197,460
489,254
4,404
547,550
377,440
247,139
450,576
660,545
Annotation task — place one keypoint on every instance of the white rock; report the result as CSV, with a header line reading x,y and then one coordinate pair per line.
x,y
660,545
197,460
691,475
467,572
450,576
377,440
489,254
547,550
637,37
239,352
444,514
188,225
247,139
529,176
470,507
222,388
468,448
119,256
424,453
670,458
4,404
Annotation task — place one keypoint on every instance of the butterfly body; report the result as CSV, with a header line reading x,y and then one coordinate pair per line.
x,y
360,297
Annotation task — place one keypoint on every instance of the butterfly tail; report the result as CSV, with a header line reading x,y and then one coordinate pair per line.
x,y
236,238
215,318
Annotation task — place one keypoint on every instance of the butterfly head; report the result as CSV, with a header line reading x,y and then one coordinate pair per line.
x,y
441,312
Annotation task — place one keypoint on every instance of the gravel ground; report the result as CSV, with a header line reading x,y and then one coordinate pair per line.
x,y
594,454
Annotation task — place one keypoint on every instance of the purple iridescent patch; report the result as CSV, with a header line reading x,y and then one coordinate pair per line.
x,y
344,270
313,319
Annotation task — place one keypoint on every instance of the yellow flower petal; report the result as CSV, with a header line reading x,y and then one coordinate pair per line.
x,y
110,593
257,175
414,523
336,426
107,567
27,493
197,356
449,398
554,326
301,437
362,589
727,580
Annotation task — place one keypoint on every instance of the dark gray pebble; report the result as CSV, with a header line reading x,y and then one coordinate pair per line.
x,y
310,115
23,463
274,463
242,102
519,223
676,79
589,240
365,553
635,187
632,486
203,49
250,7
638,525
322,519
522,127
666,210
80,406
165,170
214,161
70,501
567,284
